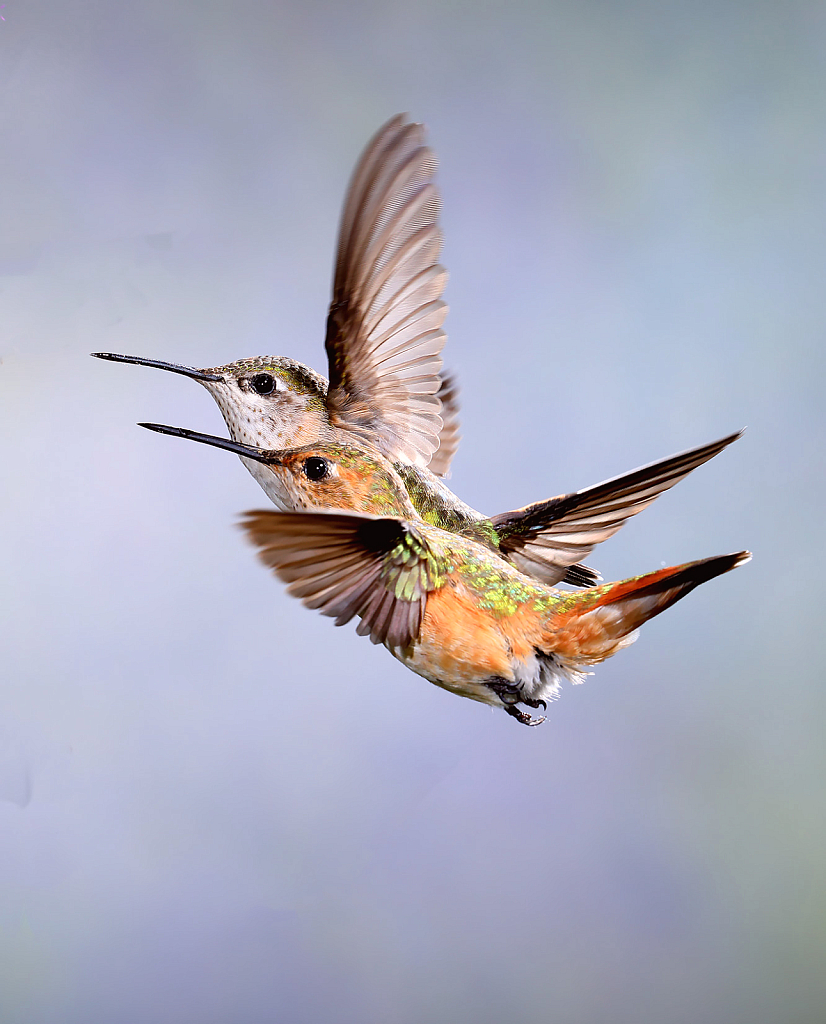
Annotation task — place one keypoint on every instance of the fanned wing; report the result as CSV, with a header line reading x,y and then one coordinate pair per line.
x,y
384,329
348,564
449,437
545,538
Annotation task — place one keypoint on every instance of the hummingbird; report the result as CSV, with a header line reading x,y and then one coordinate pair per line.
x,y
384,330
445,605
564,529
383,341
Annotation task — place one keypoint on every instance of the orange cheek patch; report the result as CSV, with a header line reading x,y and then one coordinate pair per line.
x,y
353,489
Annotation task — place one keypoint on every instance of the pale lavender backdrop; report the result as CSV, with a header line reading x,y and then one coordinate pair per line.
x,y
217,808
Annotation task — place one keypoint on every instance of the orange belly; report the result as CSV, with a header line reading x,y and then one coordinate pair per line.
x,y
461,645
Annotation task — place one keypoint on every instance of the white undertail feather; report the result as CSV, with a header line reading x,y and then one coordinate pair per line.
x,y
541,677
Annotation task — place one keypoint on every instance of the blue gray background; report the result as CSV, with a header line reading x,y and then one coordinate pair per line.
x,y
218,808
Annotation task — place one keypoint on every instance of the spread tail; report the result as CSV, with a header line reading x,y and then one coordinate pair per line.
x,y
597,623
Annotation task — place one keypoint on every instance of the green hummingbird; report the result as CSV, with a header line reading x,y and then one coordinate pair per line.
x,y
447,605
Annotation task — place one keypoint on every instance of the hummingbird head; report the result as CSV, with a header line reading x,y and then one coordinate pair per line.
x,y
324,476
318,475
266,401
270,401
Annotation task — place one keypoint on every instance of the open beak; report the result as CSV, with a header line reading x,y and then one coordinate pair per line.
x,y
187,371
269,458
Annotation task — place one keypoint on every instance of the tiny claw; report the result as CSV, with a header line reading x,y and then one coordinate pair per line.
x,y
522,716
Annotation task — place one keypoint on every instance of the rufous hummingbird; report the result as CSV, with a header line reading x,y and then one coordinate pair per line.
x,y
445,605
545,540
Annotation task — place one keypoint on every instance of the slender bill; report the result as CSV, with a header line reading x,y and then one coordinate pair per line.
x,y
186,371
247,451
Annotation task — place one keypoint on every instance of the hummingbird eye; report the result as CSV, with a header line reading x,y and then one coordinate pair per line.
x,y
315,468
263,383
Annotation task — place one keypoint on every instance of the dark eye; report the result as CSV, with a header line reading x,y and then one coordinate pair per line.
x,y
263,383
315,468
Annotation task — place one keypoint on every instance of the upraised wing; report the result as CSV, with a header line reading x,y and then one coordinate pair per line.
x,y
449,437
351,564
545,538
384,329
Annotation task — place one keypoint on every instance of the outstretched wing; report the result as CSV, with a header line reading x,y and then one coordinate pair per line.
x,y
384,329
351,564
545,538
449,437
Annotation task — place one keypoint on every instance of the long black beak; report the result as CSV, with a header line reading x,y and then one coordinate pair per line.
x,y
269,458
187,371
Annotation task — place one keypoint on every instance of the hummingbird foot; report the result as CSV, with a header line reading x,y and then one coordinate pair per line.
x,y
510,696
523,716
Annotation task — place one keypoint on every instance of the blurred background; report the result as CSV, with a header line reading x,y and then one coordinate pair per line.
x,y
214,806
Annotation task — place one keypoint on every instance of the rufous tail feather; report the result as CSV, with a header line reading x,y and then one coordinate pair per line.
x,y
601,621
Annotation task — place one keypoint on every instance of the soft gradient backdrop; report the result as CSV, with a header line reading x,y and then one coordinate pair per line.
x,y
218,809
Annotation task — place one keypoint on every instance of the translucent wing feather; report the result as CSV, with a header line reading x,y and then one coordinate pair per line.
x,y
380,570
449,437
384,329
545,538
